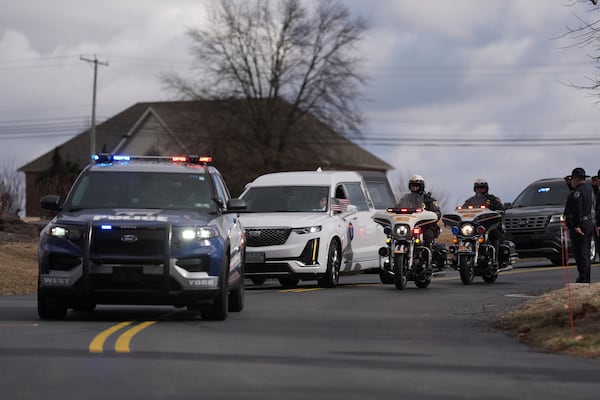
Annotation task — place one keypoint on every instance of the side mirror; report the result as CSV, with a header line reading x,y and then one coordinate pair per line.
x,y
507,206
236,205
51,202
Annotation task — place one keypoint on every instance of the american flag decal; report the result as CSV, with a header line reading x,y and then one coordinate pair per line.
x,y
339,204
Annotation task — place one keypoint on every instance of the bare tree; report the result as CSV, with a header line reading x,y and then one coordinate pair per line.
x,y
285,59
12,189
587,34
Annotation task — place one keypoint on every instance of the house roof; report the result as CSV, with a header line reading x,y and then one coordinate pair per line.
x,y
173,123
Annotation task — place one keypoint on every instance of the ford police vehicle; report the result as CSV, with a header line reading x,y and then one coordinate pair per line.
x,y
313,225
143,230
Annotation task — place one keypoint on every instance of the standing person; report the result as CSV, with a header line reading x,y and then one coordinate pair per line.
x,y
416,184
578,216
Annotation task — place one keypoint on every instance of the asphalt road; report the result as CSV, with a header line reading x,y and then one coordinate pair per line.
x,y
362,340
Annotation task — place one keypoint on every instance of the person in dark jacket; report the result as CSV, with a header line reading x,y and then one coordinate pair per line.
x,y
578,217
481,188
416,184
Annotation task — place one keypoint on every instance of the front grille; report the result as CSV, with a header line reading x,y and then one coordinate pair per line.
x,y
127,244
526,223
257,237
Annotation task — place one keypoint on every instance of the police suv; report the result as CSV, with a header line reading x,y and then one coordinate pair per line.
x,y
313,225
143,230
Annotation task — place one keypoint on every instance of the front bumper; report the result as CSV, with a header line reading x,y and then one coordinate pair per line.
x,y
102,271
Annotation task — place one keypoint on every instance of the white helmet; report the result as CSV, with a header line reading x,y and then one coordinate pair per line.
x,y
480,183
417,180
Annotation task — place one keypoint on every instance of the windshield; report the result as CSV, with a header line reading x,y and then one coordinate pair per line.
x,y
543,194
287,199
141,190
411,201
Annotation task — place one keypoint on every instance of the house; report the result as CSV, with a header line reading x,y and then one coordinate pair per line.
x,y
204,128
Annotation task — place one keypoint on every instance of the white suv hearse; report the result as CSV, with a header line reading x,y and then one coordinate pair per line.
x,y
308,225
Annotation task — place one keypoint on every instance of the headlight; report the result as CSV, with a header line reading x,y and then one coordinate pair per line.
x,y
557,218
205,232
66,232
401,230
467,229
307,229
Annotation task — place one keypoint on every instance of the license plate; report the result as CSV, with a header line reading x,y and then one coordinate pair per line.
x,y
127,274
255,257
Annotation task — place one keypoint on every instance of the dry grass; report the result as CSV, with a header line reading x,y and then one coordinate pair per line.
x,y
564,321
18,268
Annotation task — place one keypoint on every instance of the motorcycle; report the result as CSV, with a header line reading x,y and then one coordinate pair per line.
x,y
406,257
472,253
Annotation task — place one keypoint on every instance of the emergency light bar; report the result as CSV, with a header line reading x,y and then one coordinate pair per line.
x,y
105,158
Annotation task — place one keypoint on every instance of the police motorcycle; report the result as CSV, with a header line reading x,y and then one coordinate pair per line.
x,y
406,257
472,254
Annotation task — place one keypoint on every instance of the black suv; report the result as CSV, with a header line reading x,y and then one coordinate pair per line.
x,y
143,230
533,221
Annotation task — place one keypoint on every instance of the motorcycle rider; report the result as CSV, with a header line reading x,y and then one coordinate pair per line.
x,y
481,188
416,184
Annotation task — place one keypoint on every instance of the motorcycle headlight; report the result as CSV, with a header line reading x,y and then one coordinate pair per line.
x,y
66,232
307,229
467,229
202,233
557,218
401,231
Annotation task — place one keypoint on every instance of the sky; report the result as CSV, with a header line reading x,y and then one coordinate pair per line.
x,y
458,90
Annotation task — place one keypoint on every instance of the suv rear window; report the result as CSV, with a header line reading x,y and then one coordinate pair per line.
x,y
548,193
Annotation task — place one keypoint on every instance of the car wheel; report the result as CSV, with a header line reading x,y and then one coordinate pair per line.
x,y
218,310
467,270
400,277
236,296
334,261
49,308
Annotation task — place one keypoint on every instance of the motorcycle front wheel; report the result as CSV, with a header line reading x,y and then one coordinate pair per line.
x,y
467,270
400,278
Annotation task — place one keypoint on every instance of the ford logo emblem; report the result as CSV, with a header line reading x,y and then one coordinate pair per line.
x,y
129,238
523,222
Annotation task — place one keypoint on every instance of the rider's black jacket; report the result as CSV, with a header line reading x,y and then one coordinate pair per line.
x,y
492,202
431,204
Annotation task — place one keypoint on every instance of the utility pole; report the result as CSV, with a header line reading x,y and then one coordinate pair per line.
x,y
93,131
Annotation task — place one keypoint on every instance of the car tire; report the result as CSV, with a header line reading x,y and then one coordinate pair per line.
x,y
258,281
334,262
236,296
218,310
49,308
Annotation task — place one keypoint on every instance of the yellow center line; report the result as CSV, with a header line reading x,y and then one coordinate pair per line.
x,y
122,344
97,344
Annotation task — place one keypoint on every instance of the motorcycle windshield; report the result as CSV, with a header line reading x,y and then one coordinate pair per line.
x,y
411,201
476,201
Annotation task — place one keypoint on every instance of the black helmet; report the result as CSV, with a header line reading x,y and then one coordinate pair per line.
x,y
480,183
417,180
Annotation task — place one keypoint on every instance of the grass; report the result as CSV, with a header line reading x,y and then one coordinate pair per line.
x,y
18,268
